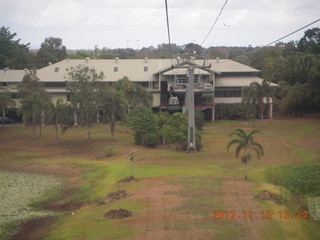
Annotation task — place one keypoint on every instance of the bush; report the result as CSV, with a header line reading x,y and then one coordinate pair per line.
x,y
109,152
234,111
137,138
151,140
183,142
199,119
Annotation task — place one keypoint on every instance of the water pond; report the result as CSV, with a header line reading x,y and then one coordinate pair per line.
x,y
18,190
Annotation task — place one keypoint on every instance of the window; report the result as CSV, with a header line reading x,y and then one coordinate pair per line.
x,y
56,69
228,93
145,68
115,69
55,84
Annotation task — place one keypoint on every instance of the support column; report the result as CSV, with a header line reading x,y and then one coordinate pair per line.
x,y
191,122
270,110
213,114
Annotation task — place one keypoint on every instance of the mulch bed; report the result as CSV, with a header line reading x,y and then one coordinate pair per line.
x,y
127,179
117,213
265,195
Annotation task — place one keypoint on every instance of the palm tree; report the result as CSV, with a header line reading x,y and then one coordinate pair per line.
x,y
6,101
257,94
58,110
31,110
245,145
136,94
114,106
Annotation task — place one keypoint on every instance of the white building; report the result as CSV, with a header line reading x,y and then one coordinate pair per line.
x,y
221,82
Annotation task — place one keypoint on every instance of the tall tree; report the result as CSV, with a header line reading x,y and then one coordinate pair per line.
x,y
258,94
84,84
51,50
114,106
59,113
142,121
311,41
34,101
136,94
6,101
13,54
245,145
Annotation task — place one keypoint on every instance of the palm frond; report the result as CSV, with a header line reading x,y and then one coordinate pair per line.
x,y
253,132
255,144
233,141
238,132
239,148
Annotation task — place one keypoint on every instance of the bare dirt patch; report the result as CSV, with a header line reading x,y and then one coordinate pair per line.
x,y
35,229
62,204
159,220
237,197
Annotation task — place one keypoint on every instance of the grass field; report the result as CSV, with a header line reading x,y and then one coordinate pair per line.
x,y
176,193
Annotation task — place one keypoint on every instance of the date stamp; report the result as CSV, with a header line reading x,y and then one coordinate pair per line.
x,y
263,214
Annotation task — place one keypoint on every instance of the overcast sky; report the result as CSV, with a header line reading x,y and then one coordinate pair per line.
x,y
82,24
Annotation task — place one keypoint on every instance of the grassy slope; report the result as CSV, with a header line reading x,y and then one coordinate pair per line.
x,y
199,174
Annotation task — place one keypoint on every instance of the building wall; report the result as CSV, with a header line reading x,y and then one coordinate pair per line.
x,y
228,100
57,96
156,99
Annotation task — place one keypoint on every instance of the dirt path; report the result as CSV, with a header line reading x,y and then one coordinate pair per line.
x,y
237,197
159,221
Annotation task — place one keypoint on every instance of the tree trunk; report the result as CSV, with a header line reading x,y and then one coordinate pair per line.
x,y
246,162
112,129
246,172
261,110
34,127
89,133
57,128
40,129
3,115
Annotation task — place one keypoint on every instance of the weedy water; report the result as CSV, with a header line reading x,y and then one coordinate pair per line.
x,y
18,190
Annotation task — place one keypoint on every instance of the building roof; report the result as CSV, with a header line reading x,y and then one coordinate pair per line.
x,y
239,81
139,70
135,69
227,65
113,69
11,75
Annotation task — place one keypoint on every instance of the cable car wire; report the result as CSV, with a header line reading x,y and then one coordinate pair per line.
x,y
214,22
168,29
292,33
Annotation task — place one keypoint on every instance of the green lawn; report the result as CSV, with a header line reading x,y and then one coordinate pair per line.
x,y
201,182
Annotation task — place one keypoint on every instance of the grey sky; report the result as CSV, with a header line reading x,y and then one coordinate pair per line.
x,y
82,24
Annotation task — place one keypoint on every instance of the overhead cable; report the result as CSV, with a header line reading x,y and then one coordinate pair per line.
x,y
215,22
292,33
168,28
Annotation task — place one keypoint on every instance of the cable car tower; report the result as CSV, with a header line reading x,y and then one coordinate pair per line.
x,y
190,103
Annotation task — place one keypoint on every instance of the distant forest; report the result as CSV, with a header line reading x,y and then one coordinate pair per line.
x,y
293,65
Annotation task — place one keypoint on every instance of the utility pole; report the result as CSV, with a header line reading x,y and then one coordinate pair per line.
x,y
190,101
130,154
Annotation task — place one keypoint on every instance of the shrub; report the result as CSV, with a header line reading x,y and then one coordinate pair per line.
x,y
199,119
183,142
137,138
109,152
151,140
230,111
142,121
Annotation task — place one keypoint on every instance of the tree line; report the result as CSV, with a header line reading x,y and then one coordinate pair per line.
x,y
294,66
93,101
